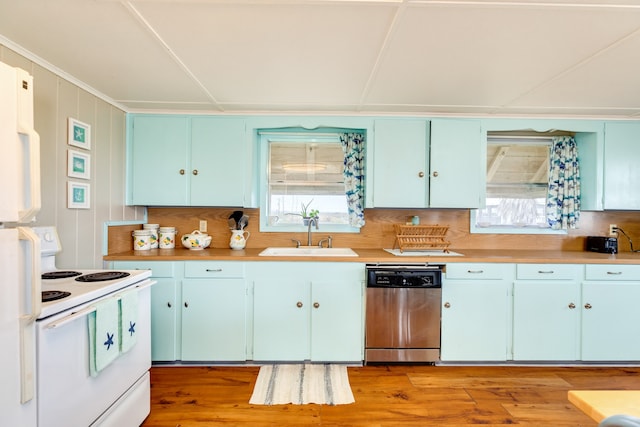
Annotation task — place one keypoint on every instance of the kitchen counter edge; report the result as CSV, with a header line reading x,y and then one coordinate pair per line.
x,y
381,256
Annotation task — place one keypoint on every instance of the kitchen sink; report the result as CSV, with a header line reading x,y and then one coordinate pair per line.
x,y
307,251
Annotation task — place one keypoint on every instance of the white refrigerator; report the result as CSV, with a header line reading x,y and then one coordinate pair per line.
x,y
20,293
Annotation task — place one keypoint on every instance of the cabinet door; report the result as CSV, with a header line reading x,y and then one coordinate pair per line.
x,y
218,160
475,320
546,320
281,319
622,166
336,321
164,320
400,164
214,320
456,164
610,321
159,162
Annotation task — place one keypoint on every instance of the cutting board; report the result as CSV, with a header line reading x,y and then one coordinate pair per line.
x,y
600,404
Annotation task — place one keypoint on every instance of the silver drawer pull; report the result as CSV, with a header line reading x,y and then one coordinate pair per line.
x,y
475,271
213,270
614,273
545,272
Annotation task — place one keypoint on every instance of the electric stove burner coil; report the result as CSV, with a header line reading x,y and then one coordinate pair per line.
x,y
102,276
60,274
54,295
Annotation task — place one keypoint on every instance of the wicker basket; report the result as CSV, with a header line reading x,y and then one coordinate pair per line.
x,y
421,237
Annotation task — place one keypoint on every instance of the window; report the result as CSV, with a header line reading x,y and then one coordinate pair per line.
x,y
516,184
304,172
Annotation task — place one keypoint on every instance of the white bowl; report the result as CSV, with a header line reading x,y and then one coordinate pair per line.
x,y
196,240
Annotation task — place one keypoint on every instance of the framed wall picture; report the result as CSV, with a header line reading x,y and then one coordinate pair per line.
x,y
78,195
79,134
78,164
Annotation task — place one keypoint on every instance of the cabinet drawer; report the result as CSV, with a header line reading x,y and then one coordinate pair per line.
x,y
612,272
475,271
548,271
226,269
158,268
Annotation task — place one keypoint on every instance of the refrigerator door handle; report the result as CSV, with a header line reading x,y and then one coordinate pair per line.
x,y
27,321
27,215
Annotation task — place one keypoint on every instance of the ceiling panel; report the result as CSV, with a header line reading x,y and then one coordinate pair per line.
x,y
282,54
102,45
477,57
488,56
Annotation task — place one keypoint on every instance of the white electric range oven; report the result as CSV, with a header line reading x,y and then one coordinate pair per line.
x,y
67,392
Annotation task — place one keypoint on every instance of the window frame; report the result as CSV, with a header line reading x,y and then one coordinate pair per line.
x,y
526,139
265,136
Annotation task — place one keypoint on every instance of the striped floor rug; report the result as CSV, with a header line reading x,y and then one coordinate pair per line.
x,y
326,384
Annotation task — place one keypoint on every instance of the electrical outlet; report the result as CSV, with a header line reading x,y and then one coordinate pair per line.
x,y
613,230
203,226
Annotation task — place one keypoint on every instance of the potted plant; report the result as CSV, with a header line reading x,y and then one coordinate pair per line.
x,y
307,213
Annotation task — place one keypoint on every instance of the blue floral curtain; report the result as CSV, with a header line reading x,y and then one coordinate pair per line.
x,y
353,172
563,197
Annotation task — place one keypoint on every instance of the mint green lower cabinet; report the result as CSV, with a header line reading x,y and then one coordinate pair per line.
x,y
213,320
610,315
546,314
307,311
165,304
475,312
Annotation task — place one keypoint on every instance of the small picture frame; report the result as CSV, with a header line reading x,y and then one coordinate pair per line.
x,y
78,195
79,134
78,164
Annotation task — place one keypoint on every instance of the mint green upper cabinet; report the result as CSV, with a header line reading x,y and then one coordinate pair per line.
x,y
622,165
419,164
456,164
400,164
159,160
186,161
218,155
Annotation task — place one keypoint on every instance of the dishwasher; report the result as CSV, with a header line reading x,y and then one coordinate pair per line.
x,y
403,307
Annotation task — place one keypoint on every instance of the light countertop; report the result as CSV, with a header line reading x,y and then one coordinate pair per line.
x,y
600,404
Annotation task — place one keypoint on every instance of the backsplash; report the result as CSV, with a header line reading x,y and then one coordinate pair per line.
x,y
379,229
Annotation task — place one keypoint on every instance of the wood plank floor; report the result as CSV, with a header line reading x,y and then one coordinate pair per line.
x,y
394,395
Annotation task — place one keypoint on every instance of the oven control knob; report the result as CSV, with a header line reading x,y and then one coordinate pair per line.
x,y
447,305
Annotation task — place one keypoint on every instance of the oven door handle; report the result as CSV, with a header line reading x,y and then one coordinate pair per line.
x,y
70,318
86,311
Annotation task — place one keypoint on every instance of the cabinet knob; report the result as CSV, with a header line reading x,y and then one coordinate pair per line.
x,y
181,171
447,305
435,173
572,305
169,304
421,174
299,304
588,306
195,172
186,304
316,304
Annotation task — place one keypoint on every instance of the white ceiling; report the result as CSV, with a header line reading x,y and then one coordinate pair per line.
x,y
476,57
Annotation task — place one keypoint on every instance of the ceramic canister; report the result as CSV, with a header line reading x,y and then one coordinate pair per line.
x,y
154,234
167,237
141,240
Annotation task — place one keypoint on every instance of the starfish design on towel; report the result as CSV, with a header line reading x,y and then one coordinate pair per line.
x,y
109,341
132,328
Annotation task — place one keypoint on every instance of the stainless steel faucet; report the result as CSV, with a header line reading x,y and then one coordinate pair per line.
x,y
311,221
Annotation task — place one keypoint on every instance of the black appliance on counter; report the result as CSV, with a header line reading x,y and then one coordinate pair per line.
x,y
403,313
605,245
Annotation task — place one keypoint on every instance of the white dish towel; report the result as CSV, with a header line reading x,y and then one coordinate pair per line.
x,y
128,320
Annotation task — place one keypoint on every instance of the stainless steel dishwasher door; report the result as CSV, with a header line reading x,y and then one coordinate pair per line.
x,y
403,324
